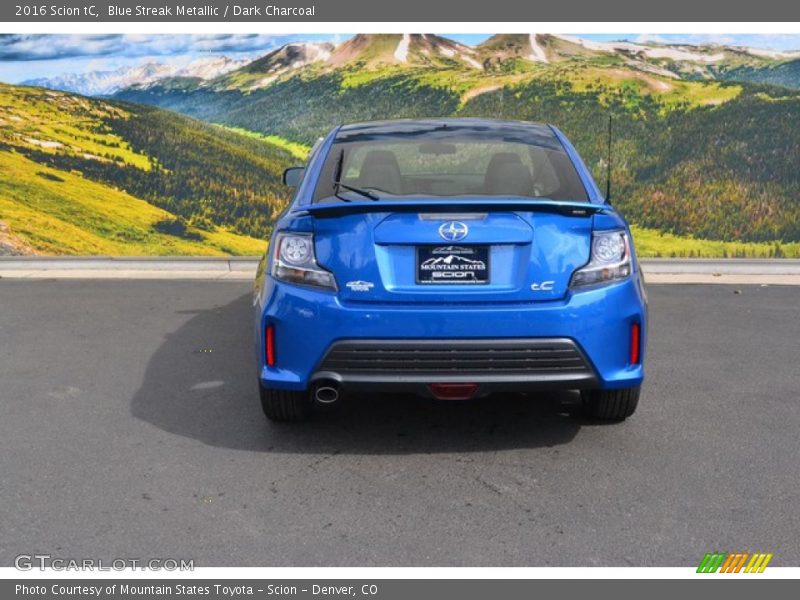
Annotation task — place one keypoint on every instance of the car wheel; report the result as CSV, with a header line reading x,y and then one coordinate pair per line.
x,y
611,405
285,405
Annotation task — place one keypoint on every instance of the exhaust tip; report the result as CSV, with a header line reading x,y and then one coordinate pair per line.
x,y
453,391
326,394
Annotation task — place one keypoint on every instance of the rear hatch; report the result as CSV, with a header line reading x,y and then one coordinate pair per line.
x,y
435,251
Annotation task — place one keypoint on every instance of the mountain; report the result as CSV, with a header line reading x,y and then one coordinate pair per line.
x,y
369,51
373,52
104,83
706,139
88,176
364,56
509,51
282,61
695,153
506,52
500,53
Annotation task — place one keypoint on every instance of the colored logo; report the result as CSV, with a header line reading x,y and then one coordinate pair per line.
x,y
452,231
735,562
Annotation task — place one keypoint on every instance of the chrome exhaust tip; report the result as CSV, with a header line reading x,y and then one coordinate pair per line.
x,y
326,394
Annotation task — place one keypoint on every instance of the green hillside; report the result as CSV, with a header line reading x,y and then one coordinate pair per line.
x,y
786,74
705,153
700,158
724,171
84,176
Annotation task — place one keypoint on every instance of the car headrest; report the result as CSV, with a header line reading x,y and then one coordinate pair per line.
x,y
501,158
382,158
381,170
507,175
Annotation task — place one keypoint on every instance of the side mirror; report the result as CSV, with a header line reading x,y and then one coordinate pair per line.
x,y
293,176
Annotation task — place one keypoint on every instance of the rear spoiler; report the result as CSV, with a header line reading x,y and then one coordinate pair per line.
x,y
568,208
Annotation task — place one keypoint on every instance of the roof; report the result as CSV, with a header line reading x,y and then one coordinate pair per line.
x,y
524,132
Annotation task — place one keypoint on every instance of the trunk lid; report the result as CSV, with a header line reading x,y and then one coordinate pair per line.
x,y
438,251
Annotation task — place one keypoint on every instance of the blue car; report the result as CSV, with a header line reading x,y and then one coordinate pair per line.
x,y
448,258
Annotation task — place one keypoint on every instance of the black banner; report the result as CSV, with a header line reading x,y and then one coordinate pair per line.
x,y
385,589
260,11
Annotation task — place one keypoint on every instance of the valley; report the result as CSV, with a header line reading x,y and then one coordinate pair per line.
x,y
706,139
87,176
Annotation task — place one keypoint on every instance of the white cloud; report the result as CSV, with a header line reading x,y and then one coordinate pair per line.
x,y
55,47
649,38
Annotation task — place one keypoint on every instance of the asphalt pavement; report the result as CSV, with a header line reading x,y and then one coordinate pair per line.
x,y
130,428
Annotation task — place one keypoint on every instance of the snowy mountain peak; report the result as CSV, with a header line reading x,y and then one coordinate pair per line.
x,y
291,56
414,49
104,83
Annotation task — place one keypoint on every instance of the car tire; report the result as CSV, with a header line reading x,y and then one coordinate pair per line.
x,y
611,405
285,405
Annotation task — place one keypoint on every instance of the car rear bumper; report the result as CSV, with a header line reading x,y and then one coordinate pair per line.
x,y
494,364
371,346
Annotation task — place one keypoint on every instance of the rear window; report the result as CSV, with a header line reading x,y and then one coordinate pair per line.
x,y
447,161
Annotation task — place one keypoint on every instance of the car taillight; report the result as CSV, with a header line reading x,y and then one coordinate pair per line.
x,y
269,345
610,260
635,343
294,261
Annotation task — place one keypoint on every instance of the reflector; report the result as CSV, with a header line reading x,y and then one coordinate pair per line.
x,y
635,344
453,391
270,346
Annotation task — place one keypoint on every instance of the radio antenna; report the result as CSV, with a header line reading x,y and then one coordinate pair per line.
x,y
608,162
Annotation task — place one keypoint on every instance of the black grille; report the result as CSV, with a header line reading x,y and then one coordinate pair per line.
x,y
458,357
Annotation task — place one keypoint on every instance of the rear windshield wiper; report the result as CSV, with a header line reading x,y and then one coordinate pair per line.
x,y
366,193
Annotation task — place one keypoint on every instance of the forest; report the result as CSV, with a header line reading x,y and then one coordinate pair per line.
x,y
723,170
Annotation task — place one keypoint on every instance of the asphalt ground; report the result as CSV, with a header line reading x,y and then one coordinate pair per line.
x,y
130,428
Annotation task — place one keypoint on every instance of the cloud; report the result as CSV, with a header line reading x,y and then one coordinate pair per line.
x,y
645,38
764,41
717,40
45,47
53,47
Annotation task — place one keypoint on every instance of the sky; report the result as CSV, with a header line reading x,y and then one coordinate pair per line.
x,y
24,57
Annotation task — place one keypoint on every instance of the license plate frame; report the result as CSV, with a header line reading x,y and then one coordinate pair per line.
x,y
452,265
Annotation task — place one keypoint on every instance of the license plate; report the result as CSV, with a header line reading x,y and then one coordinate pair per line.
x,y
453,264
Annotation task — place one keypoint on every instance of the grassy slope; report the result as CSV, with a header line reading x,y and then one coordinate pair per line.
x,y
298,151
681,169
57,212
651,243
786,74
660,184
74,180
